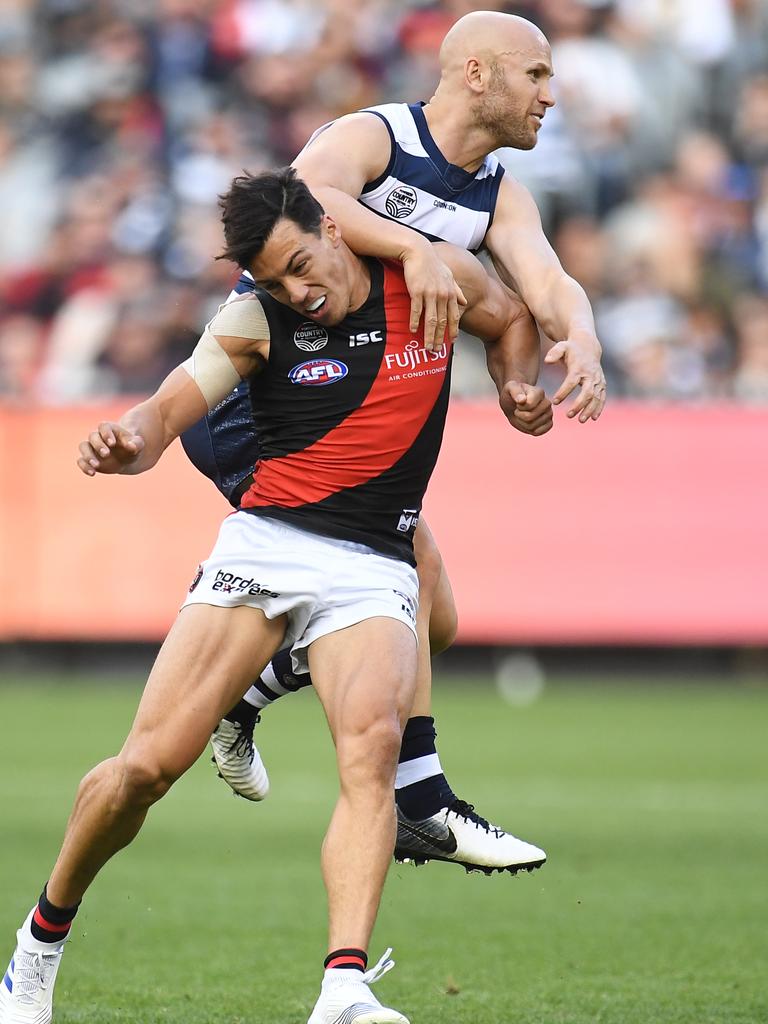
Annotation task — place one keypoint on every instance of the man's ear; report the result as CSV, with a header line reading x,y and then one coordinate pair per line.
x,y
476,75
332,230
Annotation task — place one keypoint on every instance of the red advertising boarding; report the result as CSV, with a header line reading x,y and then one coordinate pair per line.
x,y
649,527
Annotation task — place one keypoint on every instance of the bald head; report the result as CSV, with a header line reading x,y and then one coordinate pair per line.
x,y
495,80
487,34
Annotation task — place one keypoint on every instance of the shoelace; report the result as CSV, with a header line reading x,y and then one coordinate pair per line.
x,y
467,811
373,974
31,972
243,744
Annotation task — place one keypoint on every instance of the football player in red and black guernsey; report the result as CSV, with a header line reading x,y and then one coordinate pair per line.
x,y
359,358
397,177
319,554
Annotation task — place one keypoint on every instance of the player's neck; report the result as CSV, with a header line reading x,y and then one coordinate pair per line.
x,y
460,142
358,280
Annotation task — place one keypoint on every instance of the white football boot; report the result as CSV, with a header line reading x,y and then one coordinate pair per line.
x,y
459,835
26,991
238,761
346,999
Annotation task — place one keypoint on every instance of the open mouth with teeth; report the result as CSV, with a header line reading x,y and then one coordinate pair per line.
x,y
317,306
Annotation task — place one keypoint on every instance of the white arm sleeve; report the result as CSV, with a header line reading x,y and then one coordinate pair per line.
x,y
209,366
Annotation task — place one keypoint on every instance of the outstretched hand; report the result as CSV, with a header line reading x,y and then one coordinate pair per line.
x,y
582,366
526,407
109,449
435,294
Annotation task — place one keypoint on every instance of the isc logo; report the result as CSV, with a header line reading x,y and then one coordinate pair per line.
x,y
318,372
355,340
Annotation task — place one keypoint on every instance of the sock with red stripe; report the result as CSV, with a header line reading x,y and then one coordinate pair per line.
x,y
347,960
51,923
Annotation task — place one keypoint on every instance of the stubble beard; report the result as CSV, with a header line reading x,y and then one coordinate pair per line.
x,y
499,116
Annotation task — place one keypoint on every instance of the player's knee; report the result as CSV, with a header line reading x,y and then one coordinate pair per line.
x,y
142,779
368,757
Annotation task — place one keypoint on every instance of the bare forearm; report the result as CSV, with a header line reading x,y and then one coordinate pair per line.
x,y
146,420
527,262
557,301
365,232
523,368
174,407
563,310
515,355
136,443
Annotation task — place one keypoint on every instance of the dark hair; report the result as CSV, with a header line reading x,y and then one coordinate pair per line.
x,y
254,205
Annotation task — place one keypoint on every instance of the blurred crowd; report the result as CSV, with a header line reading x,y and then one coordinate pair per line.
x,y
121,121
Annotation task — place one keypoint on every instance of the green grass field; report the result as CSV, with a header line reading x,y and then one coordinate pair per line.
x,y
652,801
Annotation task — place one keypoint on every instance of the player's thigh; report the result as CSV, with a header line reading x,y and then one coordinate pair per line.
x,y
203,668
365,675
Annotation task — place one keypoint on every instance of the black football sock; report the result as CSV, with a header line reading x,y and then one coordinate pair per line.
x,y
243,714
347,960
421,789
275,682
51,923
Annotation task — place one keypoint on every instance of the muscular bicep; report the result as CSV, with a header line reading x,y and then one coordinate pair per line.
x,y
491,306
346,155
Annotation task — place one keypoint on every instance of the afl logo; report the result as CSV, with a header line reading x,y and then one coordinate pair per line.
x,y
400,202
310,337
196,580
317,373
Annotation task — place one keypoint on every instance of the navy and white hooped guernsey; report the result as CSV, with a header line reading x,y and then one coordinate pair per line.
x,y
418,188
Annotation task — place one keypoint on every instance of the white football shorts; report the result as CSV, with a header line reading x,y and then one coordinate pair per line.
x,y
321,584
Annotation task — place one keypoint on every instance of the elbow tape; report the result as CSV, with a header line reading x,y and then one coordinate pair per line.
x,y
209,365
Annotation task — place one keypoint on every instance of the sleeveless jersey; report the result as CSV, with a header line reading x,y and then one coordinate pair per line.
x,y
420,189
349,420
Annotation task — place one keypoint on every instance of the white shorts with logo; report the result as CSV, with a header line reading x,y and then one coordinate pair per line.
x,y
321,584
